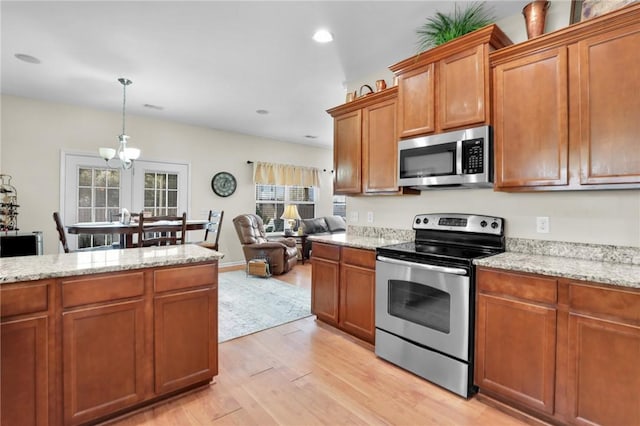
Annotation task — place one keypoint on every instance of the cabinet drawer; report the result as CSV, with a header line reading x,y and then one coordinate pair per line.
x,y
19,299
102,289
359,257
529,287
621,304
185,277
326,251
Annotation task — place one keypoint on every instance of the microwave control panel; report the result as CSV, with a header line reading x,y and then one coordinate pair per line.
x,y
473,156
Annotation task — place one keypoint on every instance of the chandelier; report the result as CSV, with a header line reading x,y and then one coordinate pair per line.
x,y
123,156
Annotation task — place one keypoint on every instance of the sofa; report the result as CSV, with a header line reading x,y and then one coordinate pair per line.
x,y
325,225
281,253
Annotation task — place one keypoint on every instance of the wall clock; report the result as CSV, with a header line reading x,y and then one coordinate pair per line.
x,y
224,184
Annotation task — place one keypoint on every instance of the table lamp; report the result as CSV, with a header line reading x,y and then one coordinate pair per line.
x,y
290,215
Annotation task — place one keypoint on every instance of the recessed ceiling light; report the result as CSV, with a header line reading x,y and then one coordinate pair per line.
x,y
310,136
262,111
27,58
323,36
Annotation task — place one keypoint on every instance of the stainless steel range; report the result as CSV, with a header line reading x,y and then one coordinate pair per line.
x,y
425,291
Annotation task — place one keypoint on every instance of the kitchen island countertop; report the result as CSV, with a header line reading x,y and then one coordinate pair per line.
x,y
31,268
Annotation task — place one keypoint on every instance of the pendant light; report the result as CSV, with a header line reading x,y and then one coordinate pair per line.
x,y
123,156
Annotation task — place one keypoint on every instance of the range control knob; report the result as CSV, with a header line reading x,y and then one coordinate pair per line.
x,y
483,223
418,221
426,220
494,225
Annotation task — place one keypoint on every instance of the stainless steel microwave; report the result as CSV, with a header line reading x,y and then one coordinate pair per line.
x,y
458,159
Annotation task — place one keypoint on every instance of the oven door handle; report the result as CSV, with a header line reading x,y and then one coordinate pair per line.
x,y
434,268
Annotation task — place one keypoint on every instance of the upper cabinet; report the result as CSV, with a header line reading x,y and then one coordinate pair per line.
x,y
566,107
447,87
365,145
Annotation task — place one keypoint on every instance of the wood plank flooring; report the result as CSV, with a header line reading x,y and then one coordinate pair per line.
x,y
309,373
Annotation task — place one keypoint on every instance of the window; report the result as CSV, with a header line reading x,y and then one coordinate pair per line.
x,y
340,205
271,199
161,193
98,201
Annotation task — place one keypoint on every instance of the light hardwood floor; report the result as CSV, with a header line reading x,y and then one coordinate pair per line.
x,y
308,373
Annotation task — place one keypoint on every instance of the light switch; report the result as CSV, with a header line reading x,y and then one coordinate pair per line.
x,y
370,217
353,217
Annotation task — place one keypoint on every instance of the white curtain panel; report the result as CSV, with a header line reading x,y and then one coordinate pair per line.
x,y
285,174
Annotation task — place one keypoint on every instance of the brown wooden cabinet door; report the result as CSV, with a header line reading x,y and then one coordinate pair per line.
x,y
24,374
515,351
325,282
609,107
103,360
531,120
604,372
357,301
186,338
463,87
416,102
380,148
347,153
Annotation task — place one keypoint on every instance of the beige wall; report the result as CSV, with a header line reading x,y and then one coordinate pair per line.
x,y
35,132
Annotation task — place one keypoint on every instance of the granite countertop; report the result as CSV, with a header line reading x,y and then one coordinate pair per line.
x,y
31,268
356,241
619,274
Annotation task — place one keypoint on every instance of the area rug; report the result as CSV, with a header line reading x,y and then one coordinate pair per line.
x,y
247,304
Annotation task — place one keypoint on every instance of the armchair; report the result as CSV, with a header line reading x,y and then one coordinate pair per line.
x,y
281,252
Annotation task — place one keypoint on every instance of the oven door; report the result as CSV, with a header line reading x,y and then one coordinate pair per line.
x,y
423,303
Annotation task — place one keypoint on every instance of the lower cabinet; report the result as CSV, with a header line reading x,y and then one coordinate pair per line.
x,y
562,350
105,343
343,288
26,381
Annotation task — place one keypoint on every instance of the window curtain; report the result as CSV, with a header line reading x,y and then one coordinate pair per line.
x,y
285,174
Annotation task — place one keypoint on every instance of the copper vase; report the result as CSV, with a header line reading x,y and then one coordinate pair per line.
x,y
534,15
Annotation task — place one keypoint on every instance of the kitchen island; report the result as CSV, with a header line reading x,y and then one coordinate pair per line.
x,y
92,335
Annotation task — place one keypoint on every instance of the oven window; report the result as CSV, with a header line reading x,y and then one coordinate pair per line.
x,y
420,304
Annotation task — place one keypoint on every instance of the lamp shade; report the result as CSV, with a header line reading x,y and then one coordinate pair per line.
x,y
291,212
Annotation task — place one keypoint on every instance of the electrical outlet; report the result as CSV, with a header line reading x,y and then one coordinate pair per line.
x,y
542,224
353,217
370,217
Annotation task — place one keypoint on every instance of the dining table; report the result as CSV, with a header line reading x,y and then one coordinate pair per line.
x,y
126,231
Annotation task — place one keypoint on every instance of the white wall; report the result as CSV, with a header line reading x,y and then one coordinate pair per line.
x,y
35,132
599,217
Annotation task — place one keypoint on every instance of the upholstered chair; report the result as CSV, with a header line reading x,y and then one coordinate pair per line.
x,y
281,253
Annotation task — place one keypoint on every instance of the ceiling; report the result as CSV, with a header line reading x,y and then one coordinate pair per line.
x,y
211,63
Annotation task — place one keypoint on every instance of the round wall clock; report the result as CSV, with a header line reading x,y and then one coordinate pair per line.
x,y
223,184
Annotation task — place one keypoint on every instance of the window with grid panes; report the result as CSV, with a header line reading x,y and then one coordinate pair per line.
x,y
161,193
271,200
340,205
98,201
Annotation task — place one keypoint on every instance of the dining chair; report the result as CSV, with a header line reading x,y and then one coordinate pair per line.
x,y
213,230
61,232
161,230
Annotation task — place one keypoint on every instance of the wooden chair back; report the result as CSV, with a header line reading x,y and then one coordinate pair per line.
x,y
161,230
213,229
61,232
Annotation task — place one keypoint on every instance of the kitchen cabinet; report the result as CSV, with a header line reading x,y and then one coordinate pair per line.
x,y
343,288
81,349
516,337
565,107
365,145
103,345
447,87
602,350
562,350
185,327
25,355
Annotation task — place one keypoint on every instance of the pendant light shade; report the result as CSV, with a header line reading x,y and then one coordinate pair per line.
x,y
124,156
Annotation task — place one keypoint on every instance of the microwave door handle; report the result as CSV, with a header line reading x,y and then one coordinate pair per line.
x,y
459,157
433,268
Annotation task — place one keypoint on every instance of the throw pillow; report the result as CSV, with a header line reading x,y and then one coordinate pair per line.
x,y
336,223
314,226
